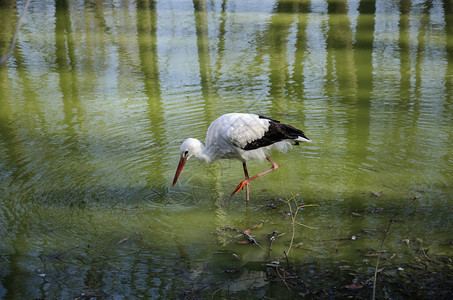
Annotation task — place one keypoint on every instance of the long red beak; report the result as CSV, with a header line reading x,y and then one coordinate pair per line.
x,y
181,164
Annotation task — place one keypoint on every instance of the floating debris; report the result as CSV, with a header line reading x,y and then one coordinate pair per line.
x,y
271,206
377,210
377,194
354,286
41,272
123,240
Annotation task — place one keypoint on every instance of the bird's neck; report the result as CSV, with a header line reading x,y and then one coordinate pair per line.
x,y
202,154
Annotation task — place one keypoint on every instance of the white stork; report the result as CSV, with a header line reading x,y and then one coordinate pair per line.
x,y
243,137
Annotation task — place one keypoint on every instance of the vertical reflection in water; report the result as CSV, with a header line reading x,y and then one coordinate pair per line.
x,y
243,61
416,30
415,27
343,112
8,142
348,85
340,39
409,72
360,131
31,124
386,79
9,151
434,64
207,91
353,14
277,36
23,109
92,61
315,64
314,69
221,40
404,44
386,60
341,89
448,8
408,45
180,71
66,64
28,114
92,46
149,61
204,60
433,97
300,44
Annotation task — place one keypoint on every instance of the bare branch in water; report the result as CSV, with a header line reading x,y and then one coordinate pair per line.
x,y
379,256
16,32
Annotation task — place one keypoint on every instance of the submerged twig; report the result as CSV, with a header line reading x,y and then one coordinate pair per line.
x,y
293,219
59,255
250,239
246,233
306,226
338,239
283,279
379,256
16,32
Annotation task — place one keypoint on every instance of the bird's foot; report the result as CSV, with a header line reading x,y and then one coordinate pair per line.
x,y
239,187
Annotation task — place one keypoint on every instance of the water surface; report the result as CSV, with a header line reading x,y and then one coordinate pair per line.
x,y
98,96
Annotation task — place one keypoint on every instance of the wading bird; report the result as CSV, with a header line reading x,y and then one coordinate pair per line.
x,y
243,137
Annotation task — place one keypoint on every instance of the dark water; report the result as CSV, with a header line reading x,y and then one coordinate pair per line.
x,y
98,96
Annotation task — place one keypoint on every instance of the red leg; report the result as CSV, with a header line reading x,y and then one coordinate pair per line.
x,y
246,181
247,185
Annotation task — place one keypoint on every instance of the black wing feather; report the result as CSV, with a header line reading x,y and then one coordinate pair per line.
x,y
276,132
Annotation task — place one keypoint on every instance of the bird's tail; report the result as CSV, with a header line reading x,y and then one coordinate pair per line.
x,y
303,139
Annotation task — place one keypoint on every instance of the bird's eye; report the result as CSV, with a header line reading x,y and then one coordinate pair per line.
x,y
186,152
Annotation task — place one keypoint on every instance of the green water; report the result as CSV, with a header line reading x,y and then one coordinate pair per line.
x,y
98,96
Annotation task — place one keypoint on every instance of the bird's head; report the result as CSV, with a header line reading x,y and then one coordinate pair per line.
x,y
189,148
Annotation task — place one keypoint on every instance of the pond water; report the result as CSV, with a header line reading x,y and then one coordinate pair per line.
x,y
98,96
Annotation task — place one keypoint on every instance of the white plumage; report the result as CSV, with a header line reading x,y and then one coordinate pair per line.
x,y
243,137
